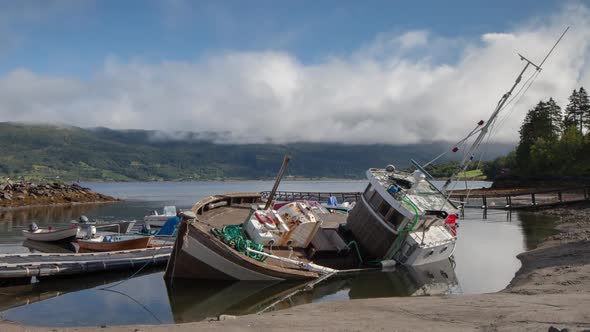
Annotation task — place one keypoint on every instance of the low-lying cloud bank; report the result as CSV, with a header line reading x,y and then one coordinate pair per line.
x,y
394,90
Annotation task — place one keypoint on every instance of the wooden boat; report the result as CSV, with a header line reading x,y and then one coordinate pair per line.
x,y
200,254
99,243
50,235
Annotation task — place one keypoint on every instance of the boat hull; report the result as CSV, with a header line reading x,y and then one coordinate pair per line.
x,y
64,235
137,243
199,255
156,221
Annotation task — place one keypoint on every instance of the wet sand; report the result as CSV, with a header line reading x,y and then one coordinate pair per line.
x,y
551,289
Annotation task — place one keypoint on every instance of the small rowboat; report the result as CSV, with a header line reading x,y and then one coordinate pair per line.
x,y
49,235
98,244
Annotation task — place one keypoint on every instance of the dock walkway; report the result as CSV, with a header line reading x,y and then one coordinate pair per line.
x,y
519,199
41,265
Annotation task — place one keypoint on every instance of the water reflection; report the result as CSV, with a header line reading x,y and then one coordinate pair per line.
x,y
193,301
21,295
46,247
536,227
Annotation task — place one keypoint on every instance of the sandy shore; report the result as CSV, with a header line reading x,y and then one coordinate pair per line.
x,y
552,289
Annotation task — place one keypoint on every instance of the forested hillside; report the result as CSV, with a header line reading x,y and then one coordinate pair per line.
x,y
554,142
70,154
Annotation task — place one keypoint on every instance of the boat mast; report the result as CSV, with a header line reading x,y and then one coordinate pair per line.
x,y
271,196
483,131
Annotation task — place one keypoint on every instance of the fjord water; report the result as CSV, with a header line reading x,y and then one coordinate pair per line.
x,y
484,261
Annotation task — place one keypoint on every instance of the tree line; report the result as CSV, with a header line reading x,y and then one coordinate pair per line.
x,y
553,141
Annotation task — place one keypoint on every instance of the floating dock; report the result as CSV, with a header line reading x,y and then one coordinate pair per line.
x,y
20,267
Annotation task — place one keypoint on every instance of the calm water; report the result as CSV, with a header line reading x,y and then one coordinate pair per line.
x,y
484,261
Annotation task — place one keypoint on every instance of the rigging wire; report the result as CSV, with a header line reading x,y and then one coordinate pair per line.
x,y
136,301
139,270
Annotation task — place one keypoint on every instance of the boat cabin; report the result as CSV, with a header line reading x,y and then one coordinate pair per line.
x,y
393,208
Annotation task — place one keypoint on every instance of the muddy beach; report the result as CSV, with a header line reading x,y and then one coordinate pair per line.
x,y
551,289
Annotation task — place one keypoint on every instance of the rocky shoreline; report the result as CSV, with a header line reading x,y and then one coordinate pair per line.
x,y
25,194
550,292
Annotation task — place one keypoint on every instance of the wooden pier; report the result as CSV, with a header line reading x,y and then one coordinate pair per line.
x,y
519,199
14,267
486,198
315,196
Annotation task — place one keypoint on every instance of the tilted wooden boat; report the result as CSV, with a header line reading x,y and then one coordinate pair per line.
x,y
50,235
200,254
99,244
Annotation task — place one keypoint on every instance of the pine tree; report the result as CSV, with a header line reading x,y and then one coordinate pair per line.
x,y
571,111
577,111
584,109
542,123
556,117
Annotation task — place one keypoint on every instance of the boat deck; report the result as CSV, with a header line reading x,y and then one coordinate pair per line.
x,y
43,265
237,214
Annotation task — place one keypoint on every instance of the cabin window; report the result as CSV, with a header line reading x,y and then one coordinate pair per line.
x,y
395,218
369,192
376,201
384,209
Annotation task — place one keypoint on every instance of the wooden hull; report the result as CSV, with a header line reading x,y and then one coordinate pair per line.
x,y
137,243
64,235
199,255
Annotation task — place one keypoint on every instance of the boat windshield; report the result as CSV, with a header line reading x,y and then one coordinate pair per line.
x,y
424,195
427,197
170,210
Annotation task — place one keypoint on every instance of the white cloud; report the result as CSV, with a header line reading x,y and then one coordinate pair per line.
x,y
384,92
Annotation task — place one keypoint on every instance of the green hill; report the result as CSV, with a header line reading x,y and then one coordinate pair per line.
x,y
100,154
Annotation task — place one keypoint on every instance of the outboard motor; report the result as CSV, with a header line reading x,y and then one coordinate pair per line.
x,y
83,219
90,232
145,228
33,227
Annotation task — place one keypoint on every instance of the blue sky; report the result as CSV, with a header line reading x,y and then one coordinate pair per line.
x,y
285,71
75,38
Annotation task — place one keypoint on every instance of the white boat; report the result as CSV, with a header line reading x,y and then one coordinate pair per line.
x,y
50,235
402,216
120,226
158,220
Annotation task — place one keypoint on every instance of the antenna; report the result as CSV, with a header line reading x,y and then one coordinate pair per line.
x,y
483,127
